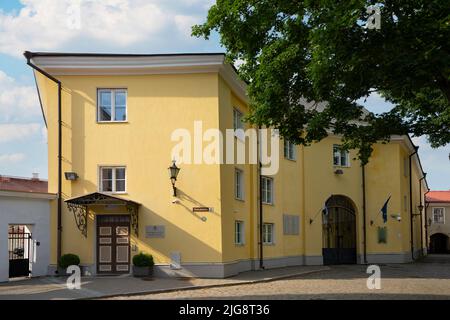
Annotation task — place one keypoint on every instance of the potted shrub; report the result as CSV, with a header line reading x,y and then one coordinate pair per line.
x,y
143,265
67,260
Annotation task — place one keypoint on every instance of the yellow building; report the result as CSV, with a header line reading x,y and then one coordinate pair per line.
x,y
108,162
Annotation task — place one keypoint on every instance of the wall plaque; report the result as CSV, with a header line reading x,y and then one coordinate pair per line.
x,y
155,231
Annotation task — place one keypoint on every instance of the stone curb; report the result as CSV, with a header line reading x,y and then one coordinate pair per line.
x,y
219,285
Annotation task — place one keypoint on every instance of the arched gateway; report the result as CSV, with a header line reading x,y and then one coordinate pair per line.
x,y
339,231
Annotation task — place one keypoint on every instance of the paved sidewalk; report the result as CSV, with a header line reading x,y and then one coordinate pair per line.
x,y
49,288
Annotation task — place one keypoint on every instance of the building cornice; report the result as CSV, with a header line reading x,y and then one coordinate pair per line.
x,y
110,64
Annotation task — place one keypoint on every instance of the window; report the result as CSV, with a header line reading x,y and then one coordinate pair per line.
x,y
267,190
289,150
113,179
112,105
237,120
290,224
239,232
340,156
438,215
382,234
268,233
239,184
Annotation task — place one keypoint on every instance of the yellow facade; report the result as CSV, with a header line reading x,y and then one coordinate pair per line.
x,y
160,100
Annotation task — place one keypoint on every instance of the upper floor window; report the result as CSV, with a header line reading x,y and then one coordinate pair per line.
x,y
340,156
267,190
289,150
239,184
237,120
113,179
112,105
438,215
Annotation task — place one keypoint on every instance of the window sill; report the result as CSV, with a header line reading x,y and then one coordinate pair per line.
x,y
240,200
269,244
112,122
292,160
268,204
239,244
114,193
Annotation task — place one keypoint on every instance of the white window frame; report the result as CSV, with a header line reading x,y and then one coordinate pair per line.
x,y
266,233
264,189
113,178
443,215
290,151
239,182
241,233
347,156
113,104
237,115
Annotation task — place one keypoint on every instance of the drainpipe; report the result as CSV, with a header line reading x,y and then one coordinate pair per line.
x,y
421,213
28,55
411,215
363,167
261,251
426,219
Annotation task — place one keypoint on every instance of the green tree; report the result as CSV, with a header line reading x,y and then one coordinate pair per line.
x,y
296,52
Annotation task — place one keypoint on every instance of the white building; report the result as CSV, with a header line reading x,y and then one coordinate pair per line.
x,y
24,227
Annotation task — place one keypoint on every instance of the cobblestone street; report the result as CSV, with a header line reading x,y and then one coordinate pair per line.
x,y
428,279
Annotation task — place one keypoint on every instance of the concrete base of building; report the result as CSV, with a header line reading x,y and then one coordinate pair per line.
x,y
228,269
399,257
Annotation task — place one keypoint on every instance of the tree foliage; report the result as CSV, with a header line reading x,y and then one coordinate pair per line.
x,y
297,52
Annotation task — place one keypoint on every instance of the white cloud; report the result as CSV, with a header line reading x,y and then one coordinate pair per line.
x,y
17,101
15,132
11,158
74,25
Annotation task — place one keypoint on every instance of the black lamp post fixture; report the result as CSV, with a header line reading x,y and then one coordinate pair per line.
x,y
420,207
173,173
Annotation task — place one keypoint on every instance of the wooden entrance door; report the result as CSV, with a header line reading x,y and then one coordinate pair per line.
x,y
113,244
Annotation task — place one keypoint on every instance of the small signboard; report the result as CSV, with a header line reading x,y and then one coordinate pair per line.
x,y
155,231
201,209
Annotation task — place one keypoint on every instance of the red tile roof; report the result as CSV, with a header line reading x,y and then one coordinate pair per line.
x,y
23,184
438,196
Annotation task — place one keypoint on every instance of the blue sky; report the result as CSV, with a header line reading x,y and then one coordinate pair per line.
x,y
126,26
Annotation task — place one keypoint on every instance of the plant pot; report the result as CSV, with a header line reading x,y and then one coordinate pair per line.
x,y
142,271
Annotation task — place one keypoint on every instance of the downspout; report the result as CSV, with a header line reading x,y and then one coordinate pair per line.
x,y
28,55
261,251
363,167
426,220
411,215
421,213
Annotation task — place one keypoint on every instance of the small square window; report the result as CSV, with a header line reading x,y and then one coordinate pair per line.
x,y
112,105
439,215
113,179
237,120
340,156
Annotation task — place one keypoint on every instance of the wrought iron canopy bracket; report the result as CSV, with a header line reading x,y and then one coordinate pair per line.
x,y
80,215
134,213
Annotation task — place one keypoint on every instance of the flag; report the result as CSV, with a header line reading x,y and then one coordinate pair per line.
x,y
384,210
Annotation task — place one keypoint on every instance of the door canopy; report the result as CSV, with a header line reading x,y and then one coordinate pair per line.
x,y
80,206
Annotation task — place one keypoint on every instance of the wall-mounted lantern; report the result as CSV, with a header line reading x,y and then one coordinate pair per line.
x,y
173,173
71,176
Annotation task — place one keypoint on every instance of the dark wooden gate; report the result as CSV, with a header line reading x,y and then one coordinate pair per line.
x,y
339,231
113,244
19,249
439,243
